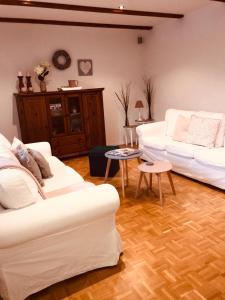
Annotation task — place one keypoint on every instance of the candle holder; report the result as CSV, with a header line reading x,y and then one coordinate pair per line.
x,y
21,84
29,84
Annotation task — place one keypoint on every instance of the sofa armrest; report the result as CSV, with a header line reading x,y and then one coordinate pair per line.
x,y
57,214
157,128
152,129
43,147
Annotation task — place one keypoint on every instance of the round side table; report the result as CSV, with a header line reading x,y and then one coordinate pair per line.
x,y
123,166
157,168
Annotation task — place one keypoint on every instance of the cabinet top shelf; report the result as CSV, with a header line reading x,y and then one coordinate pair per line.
x,y
59,92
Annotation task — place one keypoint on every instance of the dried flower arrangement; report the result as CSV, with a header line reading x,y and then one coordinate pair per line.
x,y
148,92
124,98
42,70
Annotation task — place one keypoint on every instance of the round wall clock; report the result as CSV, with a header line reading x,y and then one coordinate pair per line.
x,y
61,59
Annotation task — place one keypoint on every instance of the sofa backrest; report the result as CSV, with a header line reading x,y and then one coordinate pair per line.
x,y
171,118
172,115
4,141
210,115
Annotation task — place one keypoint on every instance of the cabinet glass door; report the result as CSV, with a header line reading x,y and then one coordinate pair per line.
x,y
74,110
57,115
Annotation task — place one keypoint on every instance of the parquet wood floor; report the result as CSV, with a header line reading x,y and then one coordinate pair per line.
x,y
177,252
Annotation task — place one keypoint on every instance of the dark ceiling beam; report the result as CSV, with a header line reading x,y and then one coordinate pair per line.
x,y
89,9
70,23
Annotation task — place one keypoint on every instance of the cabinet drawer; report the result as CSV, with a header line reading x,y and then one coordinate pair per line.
x,y
75,140
68,150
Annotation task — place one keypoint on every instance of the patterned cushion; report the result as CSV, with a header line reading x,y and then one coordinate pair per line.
x,y
221,130
28,162
202,131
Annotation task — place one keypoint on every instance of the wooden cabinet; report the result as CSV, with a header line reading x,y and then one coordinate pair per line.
x,y
73,122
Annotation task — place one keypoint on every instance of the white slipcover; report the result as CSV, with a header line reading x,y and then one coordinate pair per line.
x,y
59,237
201,163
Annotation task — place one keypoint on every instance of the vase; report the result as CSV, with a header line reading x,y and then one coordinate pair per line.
x,y
126,120
43,87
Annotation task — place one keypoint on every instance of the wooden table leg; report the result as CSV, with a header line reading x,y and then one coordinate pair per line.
x,y
150,181
125,135
171,182
160,189
145,179
107,169
126,167
122,176
139,184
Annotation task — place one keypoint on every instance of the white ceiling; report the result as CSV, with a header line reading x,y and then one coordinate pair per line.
x,y
168,6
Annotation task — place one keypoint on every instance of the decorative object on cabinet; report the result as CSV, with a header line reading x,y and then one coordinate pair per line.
x,y
42,70
139,105
124,99
148,92
29,83
85,67
72,121
67,88
61,60
21,86
73,83
43,86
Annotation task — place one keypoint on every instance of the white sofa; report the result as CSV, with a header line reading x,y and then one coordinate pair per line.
x,y
59,237
201,163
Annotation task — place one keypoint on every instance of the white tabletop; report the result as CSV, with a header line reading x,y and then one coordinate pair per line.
x,y
138,154
159,166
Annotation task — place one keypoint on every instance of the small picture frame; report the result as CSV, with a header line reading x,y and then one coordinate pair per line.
x,y
85,67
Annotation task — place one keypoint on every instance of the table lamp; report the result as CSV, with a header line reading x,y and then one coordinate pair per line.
x,y
139,105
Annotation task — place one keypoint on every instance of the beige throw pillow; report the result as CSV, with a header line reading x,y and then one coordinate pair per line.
x,y
28,162
42,163
181,128
202,131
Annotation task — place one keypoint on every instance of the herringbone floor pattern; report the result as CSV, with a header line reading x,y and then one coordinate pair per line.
x,y
177,252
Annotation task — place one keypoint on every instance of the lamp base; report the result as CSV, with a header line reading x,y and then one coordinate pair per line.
x,y
139,116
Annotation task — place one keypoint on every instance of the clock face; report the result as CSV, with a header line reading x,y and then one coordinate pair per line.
x,y
61,60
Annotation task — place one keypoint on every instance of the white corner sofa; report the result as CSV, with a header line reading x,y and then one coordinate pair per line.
x,y
204,164
60,237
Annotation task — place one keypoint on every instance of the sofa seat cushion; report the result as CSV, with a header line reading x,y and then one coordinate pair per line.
x,y
63,176
211,157
182,149
70,189
157,142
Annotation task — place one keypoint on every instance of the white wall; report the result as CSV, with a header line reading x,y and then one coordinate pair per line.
x,y
117,58
187,61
